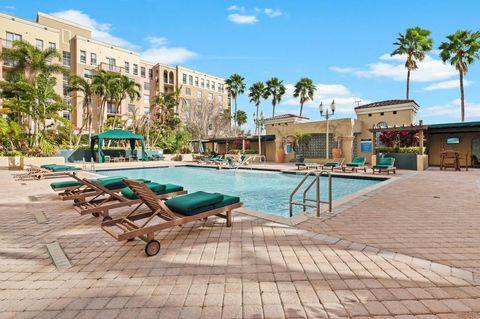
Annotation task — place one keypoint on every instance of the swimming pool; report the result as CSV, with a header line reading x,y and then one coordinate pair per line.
x,y
262,191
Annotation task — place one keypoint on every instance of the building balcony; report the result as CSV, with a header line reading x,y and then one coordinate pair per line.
x,y
110,68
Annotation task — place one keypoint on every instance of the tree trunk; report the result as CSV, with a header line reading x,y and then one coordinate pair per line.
x,y
235,118
273,109
462,98
408,84
301,108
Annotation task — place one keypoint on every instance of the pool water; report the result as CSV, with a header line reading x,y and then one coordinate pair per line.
x,y
263,191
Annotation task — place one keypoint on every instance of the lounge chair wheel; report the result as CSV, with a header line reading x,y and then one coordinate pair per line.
x,y
107,218
152,247
96,214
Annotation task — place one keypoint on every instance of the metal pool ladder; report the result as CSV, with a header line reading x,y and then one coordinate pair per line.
x,y
305,201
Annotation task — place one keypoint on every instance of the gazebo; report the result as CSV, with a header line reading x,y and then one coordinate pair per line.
x,y
117,135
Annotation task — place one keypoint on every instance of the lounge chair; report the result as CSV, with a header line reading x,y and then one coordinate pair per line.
x,y
385,164
177,211
300,162
358,163
36,172
336,162
81,192
101,204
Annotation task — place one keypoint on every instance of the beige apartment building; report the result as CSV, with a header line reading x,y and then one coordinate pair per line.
x,y
84,56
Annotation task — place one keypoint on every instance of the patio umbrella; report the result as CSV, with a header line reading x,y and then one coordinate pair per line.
x,y
201,150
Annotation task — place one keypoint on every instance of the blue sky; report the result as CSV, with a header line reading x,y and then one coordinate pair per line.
x,y
343,46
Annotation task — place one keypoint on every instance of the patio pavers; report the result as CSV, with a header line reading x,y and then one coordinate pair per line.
x,y
256,269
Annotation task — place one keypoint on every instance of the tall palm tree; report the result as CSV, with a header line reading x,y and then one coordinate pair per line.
x,y
235,86
305,89
104,86
275,89
461,50
29,60
414,44
125,88
79,84
257,93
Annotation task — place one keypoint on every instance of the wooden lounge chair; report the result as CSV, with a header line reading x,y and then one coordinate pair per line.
x,y
106,200
173,212
385,164
300,162
334,163
358,163
36,172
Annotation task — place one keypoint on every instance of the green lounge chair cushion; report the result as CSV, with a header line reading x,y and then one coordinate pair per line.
x,y
63,168
194,203
387,161
116,182
65,184
354,164
48,166
227,200
357,161
332,164
158,189
383,166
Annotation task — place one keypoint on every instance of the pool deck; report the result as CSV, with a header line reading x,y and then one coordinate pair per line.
x,y
410,249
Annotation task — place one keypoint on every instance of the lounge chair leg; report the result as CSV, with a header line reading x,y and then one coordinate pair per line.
x,y
229,219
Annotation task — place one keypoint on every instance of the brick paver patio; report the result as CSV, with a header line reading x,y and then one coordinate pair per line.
x,y
256,269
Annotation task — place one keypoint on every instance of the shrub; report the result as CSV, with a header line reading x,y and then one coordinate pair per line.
x,y
407,149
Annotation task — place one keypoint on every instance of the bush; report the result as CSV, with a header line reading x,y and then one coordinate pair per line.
x,y
408,149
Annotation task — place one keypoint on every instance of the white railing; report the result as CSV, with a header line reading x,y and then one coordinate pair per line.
x,y
316,181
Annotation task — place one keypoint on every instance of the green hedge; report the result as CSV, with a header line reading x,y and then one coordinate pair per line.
x,y
409,149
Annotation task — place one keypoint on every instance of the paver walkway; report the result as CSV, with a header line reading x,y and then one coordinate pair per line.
x,y
256,269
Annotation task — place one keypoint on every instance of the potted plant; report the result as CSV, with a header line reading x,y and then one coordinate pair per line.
x,y
301,141
337,151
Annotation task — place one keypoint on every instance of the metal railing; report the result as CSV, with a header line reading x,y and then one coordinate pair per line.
x,y
305,201
250,160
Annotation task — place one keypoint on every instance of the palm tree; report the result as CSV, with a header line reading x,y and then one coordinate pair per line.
x,y
79,84
305,90
235,86
104,85
29,60
414,44
125,88
257,93
241,117
461,50
275,89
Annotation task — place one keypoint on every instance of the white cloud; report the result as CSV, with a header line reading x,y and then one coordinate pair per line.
x,y
272,13
242,19
445,85
100,31
236,8
393,67
160,52
344,99
452,109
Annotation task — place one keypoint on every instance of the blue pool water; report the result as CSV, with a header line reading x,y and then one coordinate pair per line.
x,y
259,190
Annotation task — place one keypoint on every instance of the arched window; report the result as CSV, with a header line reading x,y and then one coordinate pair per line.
x,y
170,78
165,76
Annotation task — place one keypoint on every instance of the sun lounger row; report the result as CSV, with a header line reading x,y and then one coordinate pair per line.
x,y
385,164
47,171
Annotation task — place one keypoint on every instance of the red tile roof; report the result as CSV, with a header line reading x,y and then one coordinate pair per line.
x,y
286,116
384,103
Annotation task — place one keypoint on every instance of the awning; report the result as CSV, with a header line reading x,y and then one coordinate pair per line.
x,y
117,135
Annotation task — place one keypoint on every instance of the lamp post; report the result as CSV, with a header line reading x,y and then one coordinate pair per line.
x,y
327,116
259,121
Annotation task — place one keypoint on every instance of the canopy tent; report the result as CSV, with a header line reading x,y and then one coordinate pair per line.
x,y
117,135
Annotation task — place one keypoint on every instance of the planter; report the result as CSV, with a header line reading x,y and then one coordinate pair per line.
x,y
10,162
404,160
336,153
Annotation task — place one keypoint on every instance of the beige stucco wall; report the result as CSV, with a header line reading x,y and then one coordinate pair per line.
x,y
438,143
340,128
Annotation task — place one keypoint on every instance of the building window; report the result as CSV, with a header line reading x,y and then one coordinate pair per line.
x,y
208,84
190,80
210,97
93,58
146,99
188,91
381,113
88,74
67,59
52,45
83,56
66,115
220,88
188,103
220,99
131,108
394,112
12,37
111,63
135,69
146,110
184,78
142,72
127,67
213,86
196,81
111,108
146,85
39,44
202,83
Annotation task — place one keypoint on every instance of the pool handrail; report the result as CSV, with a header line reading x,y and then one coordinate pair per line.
x,y
317,200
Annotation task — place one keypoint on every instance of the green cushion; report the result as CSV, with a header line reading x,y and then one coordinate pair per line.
x,y
155,187
388,161
227,200
63,168
382,166
65,184
354,164
332,164
194,203
48,166
115,182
